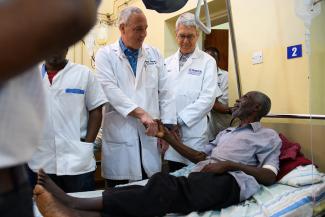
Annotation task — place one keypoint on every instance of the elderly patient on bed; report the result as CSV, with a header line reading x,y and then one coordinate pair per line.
x,y
229,171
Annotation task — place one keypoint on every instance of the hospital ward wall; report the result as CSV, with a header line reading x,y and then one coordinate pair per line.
x,y
260,25
295,86
160,32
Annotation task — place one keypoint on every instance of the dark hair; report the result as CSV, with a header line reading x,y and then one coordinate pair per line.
x,y
214,53
264,101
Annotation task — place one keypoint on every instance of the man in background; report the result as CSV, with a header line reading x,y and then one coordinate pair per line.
x,y
219,117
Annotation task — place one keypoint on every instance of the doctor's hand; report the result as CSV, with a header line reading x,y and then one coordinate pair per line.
x,y
149,123
219,167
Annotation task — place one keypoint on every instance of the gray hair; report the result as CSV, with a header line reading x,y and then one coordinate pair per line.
x,y
186,19
126,13
264,101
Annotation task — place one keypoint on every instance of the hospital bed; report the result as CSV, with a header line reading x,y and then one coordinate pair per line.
x,y
301,193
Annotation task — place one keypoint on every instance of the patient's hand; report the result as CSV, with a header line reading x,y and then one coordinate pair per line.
x,y
164,133
161,130
162,146
176,133
219,167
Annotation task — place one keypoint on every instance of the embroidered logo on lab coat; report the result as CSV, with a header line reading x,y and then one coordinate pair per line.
x,y
150,62
194,71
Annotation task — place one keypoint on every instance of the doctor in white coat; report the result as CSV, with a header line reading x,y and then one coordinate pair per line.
x,y
134,80
75,100
193,77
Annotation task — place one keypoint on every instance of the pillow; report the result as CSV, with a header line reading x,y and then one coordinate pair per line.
x,y
301,176
289,150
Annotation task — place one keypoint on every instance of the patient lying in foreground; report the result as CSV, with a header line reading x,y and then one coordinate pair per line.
x,y
227,172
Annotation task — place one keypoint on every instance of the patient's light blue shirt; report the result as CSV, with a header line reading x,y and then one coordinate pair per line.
x,y
251,145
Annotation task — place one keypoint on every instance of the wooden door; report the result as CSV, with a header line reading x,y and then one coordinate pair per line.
x,y
219,38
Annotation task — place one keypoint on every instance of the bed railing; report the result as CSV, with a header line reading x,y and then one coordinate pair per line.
x,y
297,116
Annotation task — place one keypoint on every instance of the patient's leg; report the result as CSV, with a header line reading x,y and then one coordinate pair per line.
x,y
94,204
49,206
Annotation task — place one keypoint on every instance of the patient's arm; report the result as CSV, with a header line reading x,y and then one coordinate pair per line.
x,y
262,175
184,150
34,29
219,107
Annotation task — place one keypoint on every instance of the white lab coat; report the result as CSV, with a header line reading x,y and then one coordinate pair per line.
x,y
74,92
149,89
195,90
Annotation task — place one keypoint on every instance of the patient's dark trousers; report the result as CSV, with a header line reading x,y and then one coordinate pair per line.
x,y
165,193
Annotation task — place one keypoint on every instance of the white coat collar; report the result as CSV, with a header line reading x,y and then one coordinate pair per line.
x,y
143,54
195,54
66,67
117,48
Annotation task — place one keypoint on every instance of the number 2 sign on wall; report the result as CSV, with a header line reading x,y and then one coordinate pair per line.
x,y
294,51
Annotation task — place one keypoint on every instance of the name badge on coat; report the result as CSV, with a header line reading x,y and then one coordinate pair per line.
x,y
196,72
150,62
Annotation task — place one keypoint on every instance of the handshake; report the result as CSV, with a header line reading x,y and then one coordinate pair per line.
x,y
166,136
158,129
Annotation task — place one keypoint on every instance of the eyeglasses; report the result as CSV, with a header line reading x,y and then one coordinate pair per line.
x,y
189,37
139,29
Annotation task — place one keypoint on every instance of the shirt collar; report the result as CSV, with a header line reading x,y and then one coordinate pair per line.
x,y
126,50
255,126
44,71
219,71
185,56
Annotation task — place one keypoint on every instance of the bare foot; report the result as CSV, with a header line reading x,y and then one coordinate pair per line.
x,y
49,206
44,180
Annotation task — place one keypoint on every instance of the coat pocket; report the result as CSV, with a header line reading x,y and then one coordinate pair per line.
x,y
77,157
116,156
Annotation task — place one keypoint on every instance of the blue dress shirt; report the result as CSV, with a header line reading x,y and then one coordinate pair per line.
x,y
131,55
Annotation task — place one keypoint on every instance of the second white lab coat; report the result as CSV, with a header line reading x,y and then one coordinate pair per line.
x,y
195,89
149,90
